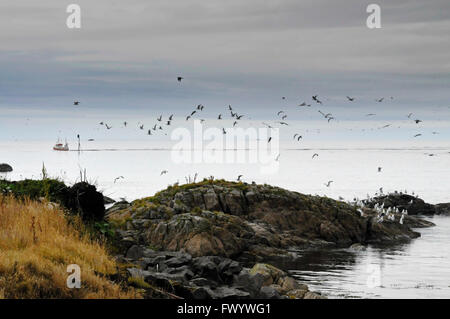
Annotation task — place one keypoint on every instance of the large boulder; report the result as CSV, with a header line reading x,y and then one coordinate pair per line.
x,y
5,168
84,199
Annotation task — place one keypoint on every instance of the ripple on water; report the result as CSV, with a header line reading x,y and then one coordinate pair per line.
x,y
419,269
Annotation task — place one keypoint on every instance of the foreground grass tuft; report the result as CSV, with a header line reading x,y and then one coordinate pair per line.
x,y
37,243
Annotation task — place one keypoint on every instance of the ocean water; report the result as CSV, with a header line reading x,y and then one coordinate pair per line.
x,y
353,170
420,269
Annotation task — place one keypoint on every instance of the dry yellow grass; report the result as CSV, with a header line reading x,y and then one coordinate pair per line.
x,y
37,244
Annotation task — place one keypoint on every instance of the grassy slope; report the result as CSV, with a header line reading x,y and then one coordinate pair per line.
x,y
37,243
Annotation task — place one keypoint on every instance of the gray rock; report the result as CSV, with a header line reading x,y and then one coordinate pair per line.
x,y
5,168
203,282
179,261
135,252
248,282
229,293
269,292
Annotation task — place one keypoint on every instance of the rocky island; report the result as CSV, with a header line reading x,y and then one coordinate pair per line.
x,y
196,239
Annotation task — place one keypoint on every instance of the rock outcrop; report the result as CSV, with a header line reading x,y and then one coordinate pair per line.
x,y
5,168
212,277
249,222
443,208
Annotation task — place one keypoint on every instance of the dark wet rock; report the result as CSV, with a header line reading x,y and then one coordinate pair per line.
x,y
107,200
443,209
5,168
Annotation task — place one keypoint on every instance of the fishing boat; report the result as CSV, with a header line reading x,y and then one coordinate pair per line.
x,y
60,147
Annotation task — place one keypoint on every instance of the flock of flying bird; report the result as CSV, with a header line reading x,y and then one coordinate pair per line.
x,y
281,120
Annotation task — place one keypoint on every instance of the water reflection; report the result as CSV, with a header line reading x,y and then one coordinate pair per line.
x,y
420,269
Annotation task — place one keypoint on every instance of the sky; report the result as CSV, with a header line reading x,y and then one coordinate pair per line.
x,y
123,64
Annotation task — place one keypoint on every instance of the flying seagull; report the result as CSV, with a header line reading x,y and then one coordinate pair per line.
x,y
315,155
328,184
239,178
163,172
117,178
180,78
351,99
76,103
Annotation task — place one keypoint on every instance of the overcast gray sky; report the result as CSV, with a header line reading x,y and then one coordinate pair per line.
x,y
127,55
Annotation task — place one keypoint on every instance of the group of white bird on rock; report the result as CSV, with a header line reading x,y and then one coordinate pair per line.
x,y
382,213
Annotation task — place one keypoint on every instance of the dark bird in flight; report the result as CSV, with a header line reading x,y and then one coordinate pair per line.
x,y
328,184
168,123
379,169
304,104
315,98
125,124
149,132
234,124
76,103
193,112
315,155
170,117
417,121
219,117
188,117
224,131
380,100
371,114
351,99
417,135
283,123
159,118
230,108
270,138
141,127
409,115
239,117
280,113
239,178
283,98
163,172
108,127
180,78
